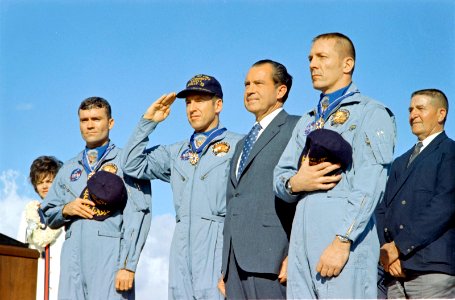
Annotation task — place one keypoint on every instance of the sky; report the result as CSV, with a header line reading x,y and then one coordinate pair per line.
x,y
54,54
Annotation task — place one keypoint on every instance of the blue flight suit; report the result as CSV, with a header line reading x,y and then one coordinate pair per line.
x,y
345,210
199,193
94,251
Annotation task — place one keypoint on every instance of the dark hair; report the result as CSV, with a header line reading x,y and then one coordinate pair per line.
x,y
43,166
280,75
342,41
435,95
96,102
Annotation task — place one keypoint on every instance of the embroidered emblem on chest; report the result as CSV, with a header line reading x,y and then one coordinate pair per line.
x,y
76,174
220,149
339,117
111,168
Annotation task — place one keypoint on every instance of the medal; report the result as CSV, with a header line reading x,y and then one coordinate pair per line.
x,y
92,156
319,123
199,140
193,158
325,108
89,168
199,143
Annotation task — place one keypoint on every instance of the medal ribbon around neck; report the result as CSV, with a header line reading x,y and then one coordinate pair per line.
x,y
88,168
322,114
195,152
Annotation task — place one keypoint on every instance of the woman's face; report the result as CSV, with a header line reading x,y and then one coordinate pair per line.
x,y
43,185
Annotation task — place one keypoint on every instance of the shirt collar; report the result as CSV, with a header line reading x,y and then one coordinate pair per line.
x,y
428,140
269,118
335,95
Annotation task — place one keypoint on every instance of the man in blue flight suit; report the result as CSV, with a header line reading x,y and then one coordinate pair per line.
x,y
103,243
197,169
416,218
334,247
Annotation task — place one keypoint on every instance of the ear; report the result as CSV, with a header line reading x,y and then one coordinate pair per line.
x,y
111,123
218,105
348,65
442,113
281,91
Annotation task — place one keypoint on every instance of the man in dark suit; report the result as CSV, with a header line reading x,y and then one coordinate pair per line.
x,y
258,224
416,219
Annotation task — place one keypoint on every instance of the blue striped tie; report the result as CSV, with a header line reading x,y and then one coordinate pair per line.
x,y
247,146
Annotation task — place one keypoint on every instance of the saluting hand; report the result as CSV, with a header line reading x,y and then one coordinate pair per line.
x,y
79,207
161,108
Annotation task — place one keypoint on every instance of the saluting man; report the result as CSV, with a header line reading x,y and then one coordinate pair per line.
x,y
197,169
104,238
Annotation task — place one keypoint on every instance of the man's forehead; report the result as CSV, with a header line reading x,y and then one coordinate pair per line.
x,y
93,111
420,100
264,71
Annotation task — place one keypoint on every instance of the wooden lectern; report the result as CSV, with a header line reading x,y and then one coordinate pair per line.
x,y
18,270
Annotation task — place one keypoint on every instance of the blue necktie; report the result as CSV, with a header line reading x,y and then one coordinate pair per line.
x,y
247,146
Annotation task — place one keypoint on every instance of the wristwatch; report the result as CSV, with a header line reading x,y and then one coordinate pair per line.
x,y
343,239
288,187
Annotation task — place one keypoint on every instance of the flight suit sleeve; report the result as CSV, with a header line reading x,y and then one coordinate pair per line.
x,y
287,165
136,221
59,194
372,157
143,163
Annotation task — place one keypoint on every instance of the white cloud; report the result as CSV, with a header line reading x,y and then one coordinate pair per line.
x,y
152,271
11,202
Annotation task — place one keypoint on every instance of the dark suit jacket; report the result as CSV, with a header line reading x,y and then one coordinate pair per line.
x,y
418,209
258,224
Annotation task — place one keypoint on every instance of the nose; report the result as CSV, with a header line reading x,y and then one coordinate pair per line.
x,y
249,89
313,64
191,106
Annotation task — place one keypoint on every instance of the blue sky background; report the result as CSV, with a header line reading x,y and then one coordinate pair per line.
x,y
54,54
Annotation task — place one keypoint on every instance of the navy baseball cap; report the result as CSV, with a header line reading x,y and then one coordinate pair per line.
x,y
327,145
108,192
202,84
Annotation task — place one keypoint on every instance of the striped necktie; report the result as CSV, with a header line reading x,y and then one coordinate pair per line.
x,y
416,152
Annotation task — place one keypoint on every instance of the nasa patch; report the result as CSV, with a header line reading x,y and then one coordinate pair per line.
x,y
76,174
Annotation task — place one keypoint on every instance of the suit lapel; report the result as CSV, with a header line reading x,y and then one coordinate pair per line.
x,y
272,129
405,172
234,161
